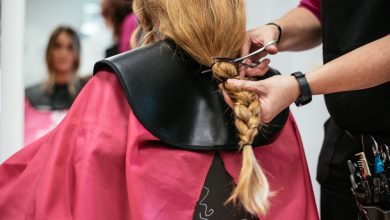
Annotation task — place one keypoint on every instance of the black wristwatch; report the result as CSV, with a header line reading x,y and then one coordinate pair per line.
x,y
305,96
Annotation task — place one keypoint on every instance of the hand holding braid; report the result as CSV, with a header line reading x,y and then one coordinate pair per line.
x,y
252,189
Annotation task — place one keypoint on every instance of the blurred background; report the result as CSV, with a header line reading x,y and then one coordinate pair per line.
x,y
43,16
25,30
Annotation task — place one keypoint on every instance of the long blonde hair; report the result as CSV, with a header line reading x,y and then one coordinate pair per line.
x,y
206,29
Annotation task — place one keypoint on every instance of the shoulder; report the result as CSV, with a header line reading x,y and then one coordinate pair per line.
x,y
34,89
102,94
81,82
36,95
314,6
136,58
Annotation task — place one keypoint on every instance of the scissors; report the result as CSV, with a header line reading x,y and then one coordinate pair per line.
x,y
240,59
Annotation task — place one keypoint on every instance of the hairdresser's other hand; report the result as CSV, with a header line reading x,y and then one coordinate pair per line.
x,y
256,39
275,93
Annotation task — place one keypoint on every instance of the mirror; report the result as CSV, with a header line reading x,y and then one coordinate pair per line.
x,y
47,99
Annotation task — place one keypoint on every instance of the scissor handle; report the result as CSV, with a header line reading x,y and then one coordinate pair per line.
x,y
239,60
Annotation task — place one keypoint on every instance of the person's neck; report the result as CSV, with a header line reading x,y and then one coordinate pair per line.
x,y
63,78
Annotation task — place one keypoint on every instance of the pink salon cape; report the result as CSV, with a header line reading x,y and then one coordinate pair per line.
x,y
100,163
39,122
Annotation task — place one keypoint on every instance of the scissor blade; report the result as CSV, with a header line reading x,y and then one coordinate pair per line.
x,y
238,60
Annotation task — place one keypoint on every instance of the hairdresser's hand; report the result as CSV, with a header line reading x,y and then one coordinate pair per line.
x,y
256,39
275,93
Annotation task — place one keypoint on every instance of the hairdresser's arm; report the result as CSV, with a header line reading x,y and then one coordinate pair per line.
x,y
301,30
365,67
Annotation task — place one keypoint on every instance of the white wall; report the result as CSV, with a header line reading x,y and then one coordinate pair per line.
x,y
309,118
11,120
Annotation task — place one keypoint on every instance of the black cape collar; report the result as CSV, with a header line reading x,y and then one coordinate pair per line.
x,y
178,104
60,99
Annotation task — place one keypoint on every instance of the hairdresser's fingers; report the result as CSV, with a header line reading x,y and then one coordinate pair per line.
x,y
257,56
253,42
257,38
259,70
267,110
272,49
247,46
254,86
227,98
243,68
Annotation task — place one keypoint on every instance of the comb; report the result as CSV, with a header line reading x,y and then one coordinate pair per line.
x,y
363,165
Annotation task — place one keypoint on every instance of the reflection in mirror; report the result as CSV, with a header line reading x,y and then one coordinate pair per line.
x,y
63,41
55,94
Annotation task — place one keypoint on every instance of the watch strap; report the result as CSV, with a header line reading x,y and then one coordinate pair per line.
x,y
306,95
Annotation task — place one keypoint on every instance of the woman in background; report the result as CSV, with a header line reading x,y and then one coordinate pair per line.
x,y
119,16
47,102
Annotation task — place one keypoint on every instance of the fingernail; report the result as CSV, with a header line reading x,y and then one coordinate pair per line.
x,y
231,81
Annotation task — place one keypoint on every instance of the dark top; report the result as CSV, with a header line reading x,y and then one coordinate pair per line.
x,y
112,50
60,98
177,103
347,25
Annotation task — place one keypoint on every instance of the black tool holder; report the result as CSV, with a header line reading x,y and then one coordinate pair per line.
x,y
370,179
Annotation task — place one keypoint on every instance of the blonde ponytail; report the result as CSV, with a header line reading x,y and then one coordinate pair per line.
x,y
206,29
252,189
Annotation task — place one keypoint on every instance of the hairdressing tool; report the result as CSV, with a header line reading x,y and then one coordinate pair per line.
x,y
375,148
367,191
385,182
363,165
379,166
377,189
358,173
352,175
383,155
372,189
241,59
351,167
387,152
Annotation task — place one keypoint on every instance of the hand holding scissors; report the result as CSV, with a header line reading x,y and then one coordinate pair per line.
x,y
240,60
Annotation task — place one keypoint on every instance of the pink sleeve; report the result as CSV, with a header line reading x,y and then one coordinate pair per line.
x,y
128,26
313,6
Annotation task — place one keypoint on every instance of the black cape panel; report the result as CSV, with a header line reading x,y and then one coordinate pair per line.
x,y
176,102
